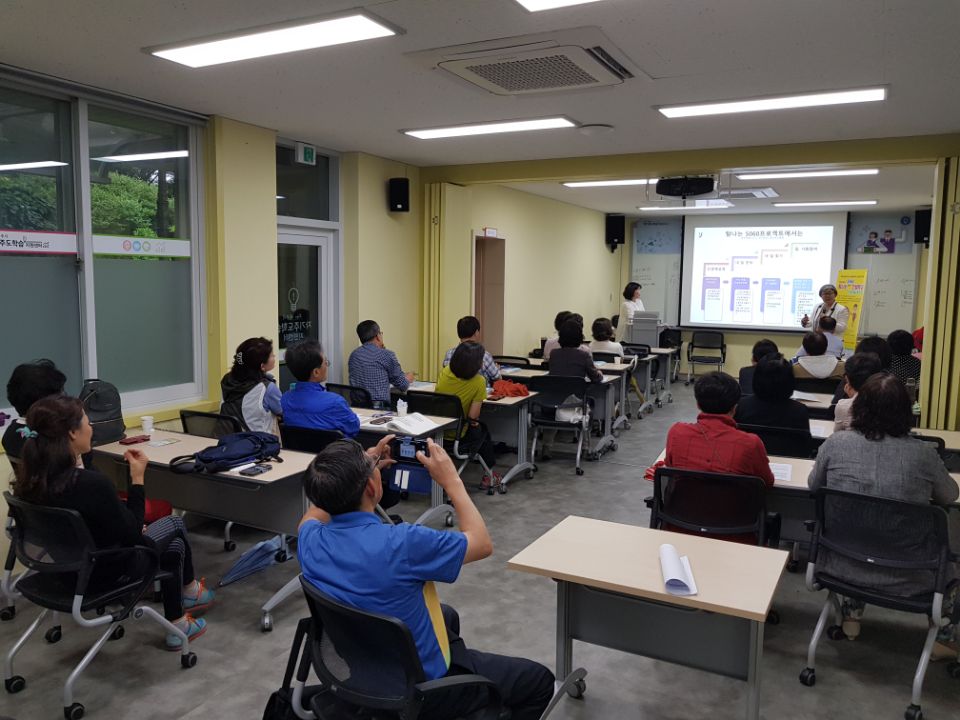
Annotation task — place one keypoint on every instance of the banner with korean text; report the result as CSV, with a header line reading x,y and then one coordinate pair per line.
x,y
851,286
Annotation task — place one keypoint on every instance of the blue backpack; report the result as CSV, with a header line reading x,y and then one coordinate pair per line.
x,y
231,451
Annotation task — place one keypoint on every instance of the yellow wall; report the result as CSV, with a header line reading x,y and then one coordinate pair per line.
x,y
381,256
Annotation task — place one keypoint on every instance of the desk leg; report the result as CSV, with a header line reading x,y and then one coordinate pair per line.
x,y
647,405
564,641
753,671
621,418
667,377
523,464
436,492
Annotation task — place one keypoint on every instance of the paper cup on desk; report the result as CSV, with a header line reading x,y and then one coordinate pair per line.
x,y
146,423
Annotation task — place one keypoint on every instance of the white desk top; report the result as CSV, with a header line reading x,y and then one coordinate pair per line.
x,y
619,368
365,415
532,373
294,462
502,402
824,429
732,578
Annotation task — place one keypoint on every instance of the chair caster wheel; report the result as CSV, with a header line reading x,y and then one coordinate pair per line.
x,y
15,684
528,474
953,670
404,495
629,416
614,447
502,489
490,490
793,566
8,613
188,661
579,471
448,520
578,689
535,468
835,632
266,623
281,556
808,677
659,403
913,712
229,546
53,635
773,618
74,712
117,633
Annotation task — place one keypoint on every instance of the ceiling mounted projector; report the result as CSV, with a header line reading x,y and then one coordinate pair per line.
x,y
684,187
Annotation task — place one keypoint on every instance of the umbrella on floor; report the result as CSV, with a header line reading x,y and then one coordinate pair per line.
x,y
260,556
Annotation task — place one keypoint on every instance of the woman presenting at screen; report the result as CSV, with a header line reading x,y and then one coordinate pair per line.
x,y
631,304
828,308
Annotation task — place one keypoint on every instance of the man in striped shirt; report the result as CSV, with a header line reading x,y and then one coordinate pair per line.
x,y
375,368
468,330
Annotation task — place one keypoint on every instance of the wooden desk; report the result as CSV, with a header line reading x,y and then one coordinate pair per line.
x,y
610,593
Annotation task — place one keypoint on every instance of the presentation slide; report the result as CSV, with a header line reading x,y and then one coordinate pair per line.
x,y
763,277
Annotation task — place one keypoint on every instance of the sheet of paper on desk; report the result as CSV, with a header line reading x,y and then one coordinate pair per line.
x,y
818,431
600,363
420,384
781,471
161,443
804,397
508,369
677,574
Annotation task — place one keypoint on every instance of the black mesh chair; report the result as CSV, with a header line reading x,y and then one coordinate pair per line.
x,y
816,385
370,662
891,540
8,583
950,458
309,440
706,347
212,425
444,405
357,397
69,575
786,442
552,394
511,360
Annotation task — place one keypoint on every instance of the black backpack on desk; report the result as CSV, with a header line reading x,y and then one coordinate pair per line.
x,y
234,450
101,403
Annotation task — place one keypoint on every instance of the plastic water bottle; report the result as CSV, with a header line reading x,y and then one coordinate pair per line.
x,y
401,407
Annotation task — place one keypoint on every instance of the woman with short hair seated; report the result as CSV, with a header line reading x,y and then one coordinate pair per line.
x,y
877,457
57,432
904,364
770,404
603,342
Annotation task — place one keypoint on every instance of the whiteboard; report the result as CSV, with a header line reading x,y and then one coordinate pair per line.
x,y
655,264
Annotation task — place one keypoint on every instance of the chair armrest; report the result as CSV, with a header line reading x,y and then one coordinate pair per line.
x,y
493,707
648,501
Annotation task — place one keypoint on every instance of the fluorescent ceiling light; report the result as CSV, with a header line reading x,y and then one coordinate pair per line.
x,y
538,5
697,205
144,156
32,165
805,174
274,40
491,128
784,102
827,203
607,183
281,197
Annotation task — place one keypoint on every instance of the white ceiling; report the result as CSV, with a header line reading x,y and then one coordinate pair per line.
x,y
357,97
904,187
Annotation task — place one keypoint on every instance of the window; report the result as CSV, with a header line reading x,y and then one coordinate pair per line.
x,y
303,191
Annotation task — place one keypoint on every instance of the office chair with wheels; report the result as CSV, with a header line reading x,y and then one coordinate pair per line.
x,y
554,393
716,352
70,575
214,426
887,541
357,397
512,361
8,583
787,442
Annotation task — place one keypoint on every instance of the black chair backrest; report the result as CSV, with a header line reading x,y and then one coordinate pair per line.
x,y
883,533
552,392
357,397
706,340
364,658
209,425
48,539
934,440
789,442
825,386
607,357
707,503
437,404
309,440
671,338
639,349
512,360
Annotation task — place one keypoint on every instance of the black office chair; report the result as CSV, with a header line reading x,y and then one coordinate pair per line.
x,y
309,440
357,397
55,545
444,405
512,360
787,442
214,426
825,386
8,583
607,357
716,352
888,538
552,394
370,662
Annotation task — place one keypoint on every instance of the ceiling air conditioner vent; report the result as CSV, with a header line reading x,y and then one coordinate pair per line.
x,y
749,193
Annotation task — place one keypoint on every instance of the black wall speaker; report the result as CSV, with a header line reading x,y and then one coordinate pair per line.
x,y
921,227
685,186
398,194
616,230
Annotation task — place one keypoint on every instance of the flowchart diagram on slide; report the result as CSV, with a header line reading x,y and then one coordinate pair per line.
x,y
759,276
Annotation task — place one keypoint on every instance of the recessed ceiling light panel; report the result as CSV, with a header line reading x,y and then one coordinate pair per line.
x,y
825,203
799,174
784,102
691,205
491,128
538,5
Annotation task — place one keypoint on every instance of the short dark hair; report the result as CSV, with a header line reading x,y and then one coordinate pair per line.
x,y
367,330
250,355
859,367
882,407
630,289
878,345
577,318
773,378
467,326
716,393
303,357
815,343
467,359
33,381
602,329
901,342
762,348
336,478
560,319
571,334
827,323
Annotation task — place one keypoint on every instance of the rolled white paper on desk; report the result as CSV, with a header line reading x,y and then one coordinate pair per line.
x,y
677,575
